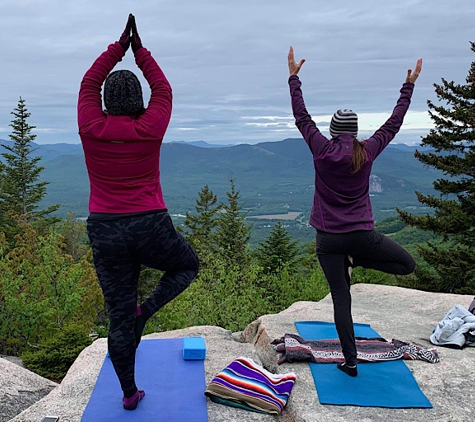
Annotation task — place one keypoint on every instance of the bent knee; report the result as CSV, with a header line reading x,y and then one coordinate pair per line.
x,y
193,268
410,267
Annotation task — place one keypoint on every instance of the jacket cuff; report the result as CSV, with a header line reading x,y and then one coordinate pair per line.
x,y
117,49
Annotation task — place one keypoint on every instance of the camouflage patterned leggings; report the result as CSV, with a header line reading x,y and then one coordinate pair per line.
x,y
119,248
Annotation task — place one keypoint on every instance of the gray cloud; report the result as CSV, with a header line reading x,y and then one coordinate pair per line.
x,y
227,60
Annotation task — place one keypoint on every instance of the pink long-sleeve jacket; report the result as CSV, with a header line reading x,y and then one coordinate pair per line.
x,y
123,152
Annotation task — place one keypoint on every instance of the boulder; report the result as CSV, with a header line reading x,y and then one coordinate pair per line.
x,y
20,388
394,312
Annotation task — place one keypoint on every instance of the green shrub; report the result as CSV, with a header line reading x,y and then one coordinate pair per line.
x,y
231,298
368,276
57,354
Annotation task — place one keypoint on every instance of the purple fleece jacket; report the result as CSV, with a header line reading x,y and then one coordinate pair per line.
x,y
341,201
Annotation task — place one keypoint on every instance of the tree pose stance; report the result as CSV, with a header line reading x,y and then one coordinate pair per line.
x,y
341,212
128,224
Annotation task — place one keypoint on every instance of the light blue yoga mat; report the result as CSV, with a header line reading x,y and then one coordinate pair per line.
x,y
174,387
379,384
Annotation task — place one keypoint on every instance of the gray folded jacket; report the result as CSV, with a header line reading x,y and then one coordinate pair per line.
x,y
456,329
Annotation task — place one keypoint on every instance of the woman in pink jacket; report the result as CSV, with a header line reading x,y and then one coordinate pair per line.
x,y
128,224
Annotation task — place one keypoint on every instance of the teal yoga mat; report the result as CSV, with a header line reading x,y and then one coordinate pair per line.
x,y
174,387
379,384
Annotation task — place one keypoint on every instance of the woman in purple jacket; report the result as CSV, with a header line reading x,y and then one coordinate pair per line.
x,y
341,211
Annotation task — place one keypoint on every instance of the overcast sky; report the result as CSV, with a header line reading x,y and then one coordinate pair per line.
x,y
227,60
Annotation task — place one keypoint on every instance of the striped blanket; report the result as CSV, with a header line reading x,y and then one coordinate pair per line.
x,y
293,348
249,386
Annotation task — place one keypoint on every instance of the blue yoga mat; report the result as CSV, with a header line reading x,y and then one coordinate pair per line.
x,y
174,388
378,384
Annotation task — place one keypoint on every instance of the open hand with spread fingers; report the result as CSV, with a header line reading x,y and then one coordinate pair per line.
x,y
294,67
412,76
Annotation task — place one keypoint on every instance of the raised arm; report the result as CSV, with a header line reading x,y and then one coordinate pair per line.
x,y
307,127
386,133
155,120
90,100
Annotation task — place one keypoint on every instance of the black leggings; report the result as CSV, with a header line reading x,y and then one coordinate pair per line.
x,y
119,249
369,249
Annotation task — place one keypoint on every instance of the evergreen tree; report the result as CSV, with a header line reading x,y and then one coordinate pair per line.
x,y
74,233
233,233
42,290
451,264
20,188
278,250
200,227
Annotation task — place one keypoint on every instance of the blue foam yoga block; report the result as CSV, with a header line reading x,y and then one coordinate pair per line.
x,y
194,348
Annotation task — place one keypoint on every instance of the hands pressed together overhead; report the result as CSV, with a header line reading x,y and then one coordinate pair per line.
x,y
130,36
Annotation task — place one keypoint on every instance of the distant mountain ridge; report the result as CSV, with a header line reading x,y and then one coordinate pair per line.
x,y
48,151
203,144
272,177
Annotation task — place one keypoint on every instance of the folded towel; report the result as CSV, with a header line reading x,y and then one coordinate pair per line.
x,y
293,348
245,384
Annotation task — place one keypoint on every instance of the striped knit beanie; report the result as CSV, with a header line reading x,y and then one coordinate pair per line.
x,y
344,121
123,94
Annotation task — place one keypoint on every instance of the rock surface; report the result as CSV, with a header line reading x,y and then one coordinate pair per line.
x,y
394,312
20,389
